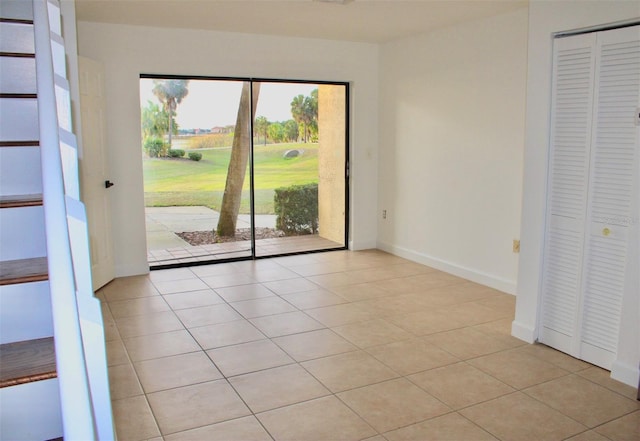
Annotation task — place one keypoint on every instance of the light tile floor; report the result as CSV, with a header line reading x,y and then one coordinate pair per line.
x,y
341,346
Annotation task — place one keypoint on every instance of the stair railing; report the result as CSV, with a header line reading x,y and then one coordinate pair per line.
x,y
77,320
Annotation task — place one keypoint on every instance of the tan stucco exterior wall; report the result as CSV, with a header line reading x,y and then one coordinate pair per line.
x,y
331,157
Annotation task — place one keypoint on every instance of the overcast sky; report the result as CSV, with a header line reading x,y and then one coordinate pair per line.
x,y
212,103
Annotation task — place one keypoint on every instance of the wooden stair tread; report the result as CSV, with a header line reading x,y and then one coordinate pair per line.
x,y
27,361
18,54
21,200
23,271
19,95
34,143
16,20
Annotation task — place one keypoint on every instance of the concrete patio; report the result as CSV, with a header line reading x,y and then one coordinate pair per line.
x,y
164,222
164,247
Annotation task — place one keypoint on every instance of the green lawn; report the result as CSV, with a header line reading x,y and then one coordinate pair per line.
x,y
170,182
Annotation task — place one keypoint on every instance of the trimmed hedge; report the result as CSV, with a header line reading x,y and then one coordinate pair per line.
x,y
176,153
195,156
296,208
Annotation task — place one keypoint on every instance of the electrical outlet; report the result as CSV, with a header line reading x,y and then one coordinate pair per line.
x,y
516,245
384,214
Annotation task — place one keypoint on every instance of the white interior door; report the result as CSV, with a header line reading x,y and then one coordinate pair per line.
x,y
571,119
94,170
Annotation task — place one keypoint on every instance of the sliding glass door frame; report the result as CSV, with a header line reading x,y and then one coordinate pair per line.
x,y
346,171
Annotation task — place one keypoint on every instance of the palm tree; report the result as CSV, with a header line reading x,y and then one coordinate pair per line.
x,y
261,126
155,122
291,130
304,110
297,112
311,112
170,93
238,163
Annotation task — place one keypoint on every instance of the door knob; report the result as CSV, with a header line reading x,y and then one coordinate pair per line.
x,y
108,184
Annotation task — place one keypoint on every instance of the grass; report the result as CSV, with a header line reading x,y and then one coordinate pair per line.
x,y
182,182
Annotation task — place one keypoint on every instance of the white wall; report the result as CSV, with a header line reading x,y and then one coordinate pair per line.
x,y
452,116
128,51
546,18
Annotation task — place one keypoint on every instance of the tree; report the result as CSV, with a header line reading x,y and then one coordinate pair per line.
x,y
155,121
276,132
238,163
297,112
305,112
311,109
291,131
261,126
170,93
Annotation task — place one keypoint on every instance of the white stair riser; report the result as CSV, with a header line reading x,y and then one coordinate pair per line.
x,y
25,312
31,411
18,75
19,119
20,171
22,233
16,37
16,9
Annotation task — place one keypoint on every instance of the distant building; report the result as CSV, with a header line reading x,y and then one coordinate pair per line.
x,y
225,129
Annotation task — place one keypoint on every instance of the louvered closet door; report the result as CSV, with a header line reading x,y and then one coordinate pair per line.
x,y
613,191
592,192
571,118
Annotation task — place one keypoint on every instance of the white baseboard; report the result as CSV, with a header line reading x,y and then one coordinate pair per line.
x,y
625,373
507,286
523,332
359,245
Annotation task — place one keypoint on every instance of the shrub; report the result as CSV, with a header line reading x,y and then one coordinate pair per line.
x,y
155,147
176,153
195,156
296,208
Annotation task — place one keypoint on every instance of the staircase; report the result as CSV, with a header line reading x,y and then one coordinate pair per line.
x,y
53,377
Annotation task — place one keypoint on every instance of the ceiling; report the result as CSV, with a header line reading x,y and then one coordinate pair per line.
x,y
371,21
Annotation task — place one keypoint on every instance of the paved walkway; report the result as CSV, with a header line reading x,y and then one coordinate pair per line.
x,y
164,222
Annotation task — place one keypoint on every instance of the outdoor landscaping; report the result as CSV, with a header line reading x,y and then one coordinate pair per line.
x,y
187,164
181,181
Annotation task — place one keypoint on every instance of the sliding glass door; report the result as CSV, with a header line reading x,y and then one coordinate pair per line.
x,y
242,168
299,166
